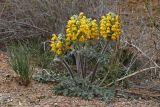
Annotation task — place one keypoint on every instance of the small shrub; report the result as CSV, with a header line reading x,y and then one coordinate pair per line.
x,y
84,89
19,60
48,76
84,33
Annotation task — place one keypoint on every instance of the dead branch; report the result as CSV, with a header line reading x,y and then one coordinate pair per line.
x,y
140,71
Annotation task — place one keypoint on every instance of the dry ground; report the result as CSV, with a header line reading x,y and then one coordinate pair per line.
x,y
40,94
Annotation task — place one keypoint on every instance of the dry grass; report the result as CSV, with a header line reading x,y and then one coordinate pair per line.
x,y
21,18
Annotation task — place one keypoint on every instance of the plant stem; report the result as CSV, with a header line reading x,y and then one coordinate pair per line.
x,y
84,66
78,63
104,78
97,63
96,66
67,67
132,74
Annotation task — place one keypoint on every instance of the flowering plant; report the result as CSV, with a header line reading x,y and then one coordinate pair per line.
x,y
82,33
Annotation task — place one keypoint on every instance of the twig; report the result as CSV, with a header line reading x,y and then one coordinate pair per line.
x,y
27,24
3,8
44,44
104,78
144,54
130,75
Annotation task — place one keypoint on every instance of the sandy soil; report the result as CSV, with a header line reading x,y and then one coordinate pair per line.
x,y
40,94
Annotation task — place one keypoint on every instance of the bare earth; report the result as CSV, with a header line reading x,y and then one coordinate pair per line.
x,y
40,94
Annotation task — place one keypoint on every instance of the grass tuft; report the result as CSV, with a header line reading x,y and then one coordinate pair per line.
x,y
19,61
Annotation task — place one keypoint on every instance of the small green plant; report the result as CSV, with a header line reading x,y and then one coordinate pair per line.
x,y
84,89
88,42
19,60
48,76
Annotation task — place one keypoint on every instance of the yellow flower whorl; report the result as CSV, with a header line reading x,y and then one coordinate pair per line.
x,y
110,27
56,45
80,29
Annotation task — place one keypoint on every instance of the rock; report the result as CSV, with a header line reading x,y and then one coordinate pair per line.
x,y
4,99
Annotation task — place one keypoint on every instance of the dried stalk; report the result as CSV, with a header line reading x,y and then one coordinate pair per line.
x,y
140,71
144,54
130,75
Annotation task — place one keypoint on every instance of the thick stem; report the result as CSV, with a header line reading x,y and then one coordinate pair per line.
x,y
84,66
97,63
78,63
68,68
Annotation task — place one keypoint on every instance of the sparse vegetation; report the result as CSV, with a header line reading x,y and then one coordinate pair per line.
x,y
109,46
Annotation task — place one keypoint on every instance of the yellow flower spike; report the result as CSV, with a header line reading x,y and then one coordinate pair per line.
x,y
94,29
102,28
72,18
68,30
78,23
113,38
108,28
59,44
113,19
108,24
59,52
54,37
108,31
113,29
81,14
52,44
88,36
68,39
105,36
81,39
53,49
84,18
117,23
74,28
118,33
117,18
68,45
73,38
109,17
103,17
